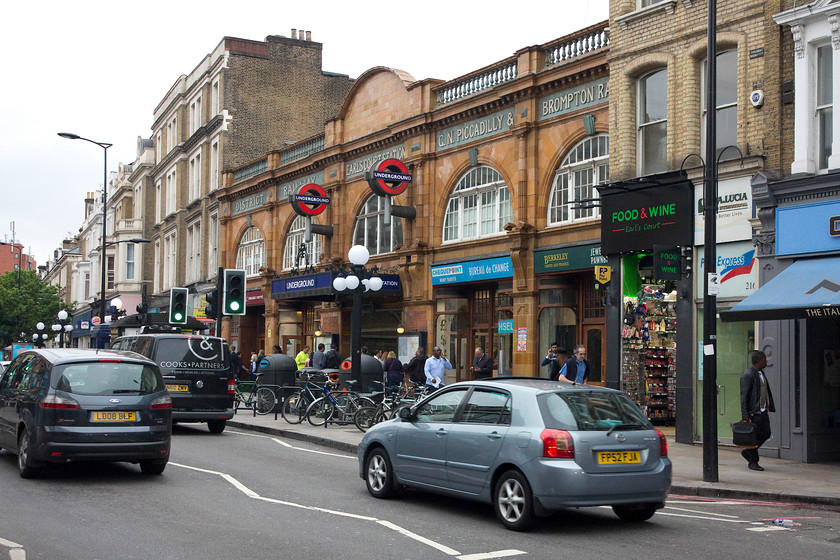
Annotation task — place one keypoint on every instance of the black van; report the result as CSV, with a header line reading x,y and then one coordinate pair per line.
x,y
197,373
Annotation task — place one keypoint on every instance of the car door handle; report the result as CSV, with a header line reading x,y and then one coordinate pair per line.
x,y
441,432
494,435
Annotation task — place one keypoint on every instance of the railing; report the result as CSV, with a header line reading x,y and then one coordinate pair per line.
x,y
302,150
460,88
565,51
130,224
250,170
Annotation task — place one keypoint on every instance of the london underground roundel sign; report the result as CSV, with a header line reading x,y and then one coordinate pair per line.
x,y
388,177
310,200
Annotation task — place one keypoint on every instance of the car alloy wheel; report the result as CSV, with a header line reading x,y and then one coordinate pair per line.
x,y
24,462
380,475
514,501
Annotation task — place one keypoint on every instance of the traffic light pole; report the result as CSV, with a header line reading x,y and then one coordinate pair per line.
x,y
219,301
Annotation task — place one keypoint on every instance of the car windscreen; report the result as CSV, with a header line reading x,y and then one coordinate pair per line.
x,y
107,378
192,353
591,411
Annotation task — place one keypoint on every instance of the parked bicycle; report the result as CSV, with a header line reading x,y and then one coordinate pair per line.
x,y
367,416
338,407
252,394
294,407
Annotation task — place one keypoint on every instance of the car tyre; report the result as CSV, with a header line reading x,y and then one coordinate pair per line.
x,y
379,475
216,426
514,502
25,463
152,467
635,513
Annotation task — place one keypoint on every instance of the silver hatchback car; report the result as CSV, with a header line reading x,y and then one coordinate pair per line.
x,y
527,446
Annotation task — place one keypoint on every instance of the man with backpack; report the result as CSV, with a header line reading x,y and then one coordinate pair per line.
x,y
333,360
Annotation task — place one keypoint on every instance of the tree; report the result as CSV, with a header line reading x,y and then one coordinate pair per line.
x,y
24,301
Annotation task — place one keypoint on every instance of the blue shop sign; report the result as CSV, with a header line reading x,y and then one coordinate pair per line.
x,y
316,285
505,326
809,228
487,269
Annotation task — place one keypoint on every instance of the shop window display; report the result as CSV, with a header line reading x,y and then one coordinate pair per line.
x,y
649,351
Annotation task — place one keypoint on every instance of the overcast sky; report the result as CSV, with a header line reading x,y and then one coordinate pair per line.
x,y
98,69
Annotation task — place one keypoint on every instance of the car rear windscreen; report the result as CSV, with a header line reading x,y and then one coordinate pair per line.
x,y
107,378
192,353
590,411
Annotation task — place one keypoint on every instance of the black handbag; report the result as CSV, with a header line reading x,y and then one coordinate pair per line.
x,y
744,434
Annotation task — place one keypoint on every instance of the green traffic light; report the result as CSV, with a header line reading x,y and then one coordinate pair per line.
x,y
234,306
179,316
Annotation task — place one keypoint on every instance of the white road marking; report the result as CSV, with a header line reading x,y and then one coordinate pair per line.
x,y
16,551
403,531
769,528
9,544
701,512
701,517
290,446
488,555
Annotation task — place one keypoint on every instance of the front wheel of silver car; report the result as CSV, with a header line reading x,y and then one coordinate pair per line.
x,y
380,475
635,513
25,466
514,502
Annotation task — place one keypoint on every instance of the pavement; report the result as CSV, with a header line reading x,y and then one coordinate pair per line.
x,y
782,481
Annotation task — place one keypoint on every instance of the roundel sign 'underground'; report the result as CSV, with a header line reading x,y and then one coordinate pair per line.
x,y
388,177
310,200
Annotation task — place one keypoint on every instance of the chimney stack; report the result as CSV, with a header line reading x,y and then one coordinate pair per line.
x,y
308,35
301,34
294,33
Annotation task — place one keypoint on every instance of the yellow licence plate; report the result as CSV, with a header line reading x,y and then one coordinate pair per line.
x,y
115,416
178,388
618,457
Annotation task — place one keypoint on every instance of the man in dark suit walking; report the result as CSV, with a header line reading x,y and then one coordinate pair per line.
x,y
756,403
482,365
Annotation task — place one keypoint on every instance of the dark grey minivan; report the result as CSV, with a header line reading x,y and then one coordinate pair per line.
x,y
63,405
197,373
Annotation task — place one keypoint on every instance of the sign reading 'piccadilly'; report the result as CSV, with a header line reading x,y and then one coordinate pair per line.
x,y
476,129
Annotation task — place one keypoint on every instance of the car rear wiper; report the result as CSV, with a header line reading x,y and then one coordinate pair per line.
x,y
625,427
123,391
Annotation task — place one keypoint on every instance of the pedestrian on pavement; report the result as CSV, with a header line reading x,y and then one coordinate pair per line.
x,y
276,349
553,360
414,369
333,359
393,370
378,356
319,359
302,357
756,402
576,369
434,369
252,371
482,366
236,365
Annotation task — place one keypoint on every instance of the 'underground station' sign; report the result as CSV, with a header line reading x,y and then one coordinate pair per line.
x,y
310,200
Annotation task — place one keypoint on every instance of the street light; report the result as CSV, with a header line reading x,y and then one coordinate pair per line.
x,y
62,327
104,146
358,280
39,337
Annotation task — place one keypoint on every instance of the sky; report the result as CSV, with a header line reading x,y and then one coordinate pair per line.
x,y
99,69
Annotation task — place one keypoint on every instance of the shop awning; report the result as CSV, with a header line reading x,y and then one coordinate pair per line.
x,y
807,289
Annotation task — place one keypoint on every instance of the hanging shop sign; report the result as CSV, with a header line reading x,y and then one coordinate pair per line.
x,y
734,210
565,259
487,269
667,262
736,267
388,177
254,297
484,127
360,166
809,228
310,200
634,219
249,202
285,189
505,326
574,98
603,274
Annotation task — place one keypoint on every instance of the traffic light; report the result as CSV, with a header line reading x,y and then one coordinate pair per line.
x,y
233,302
142,311
212,309
178,306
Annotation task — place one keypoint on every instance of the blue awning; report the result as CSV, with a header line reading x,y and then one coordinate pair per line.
x,y
807,289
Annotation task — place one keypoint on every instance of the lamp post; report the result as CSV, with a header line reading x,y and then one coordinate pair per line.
x,y
62,327
40,337
358,280
104,146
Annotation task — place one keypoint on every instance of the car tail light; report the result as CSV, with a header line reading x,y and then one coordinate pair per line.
x,y
54,401
558,444
231,387
162,402
111,360
663,444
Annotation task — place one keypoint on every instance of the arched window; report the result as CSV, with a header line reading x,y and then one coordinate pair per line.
x,y
586,165
372,231
294,239
478,207
251,253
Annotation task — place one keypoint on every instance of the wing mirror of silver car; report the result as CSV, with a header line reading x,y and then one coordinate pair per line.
x,y
404,413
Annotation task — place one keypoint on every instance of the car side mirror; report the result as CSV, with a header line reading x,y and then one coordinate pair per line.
x,y
404,413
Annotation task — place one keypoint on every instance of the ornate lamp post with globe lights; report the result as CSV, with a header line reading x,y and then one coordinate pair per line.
x,y
357,280
62,327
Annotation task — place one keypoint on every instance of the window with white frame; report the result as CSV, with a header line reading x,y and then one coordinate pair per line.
x,y
195,115
214,166
156,276
479,206
158,147
373,231
824,104
294,239
646,3
251,253
652,122
726,119
138,202
572,193
158,201
193,252
129,261
172,135
195,177
214,99
86,283
170,263
171,192
213,246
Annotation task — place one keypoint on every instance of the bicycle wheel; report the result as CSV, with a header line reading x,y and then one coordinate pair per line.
x,y
320,411
294,408
265,400
363,419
